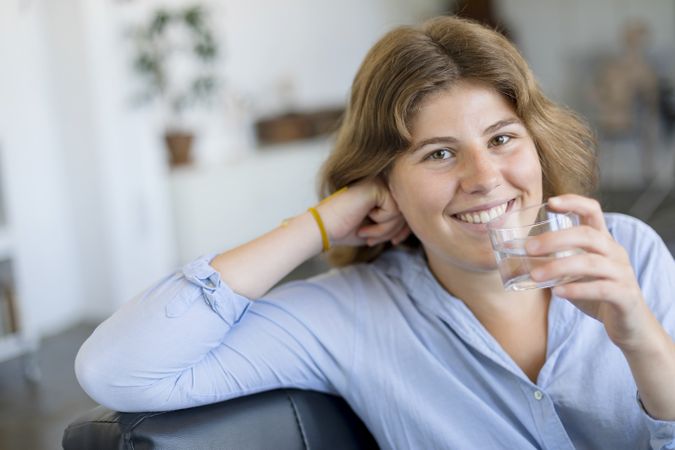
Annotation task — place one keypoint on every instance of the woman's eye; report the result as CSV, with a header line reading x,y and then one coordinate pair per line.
x,y
500,139
443,153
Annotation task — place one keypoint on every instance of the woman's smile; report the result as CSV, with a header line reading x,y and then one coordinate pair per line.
x,y
481,215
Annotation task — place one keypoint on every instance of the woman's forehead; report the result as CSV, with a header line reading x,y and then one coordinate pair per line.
x,y
462,107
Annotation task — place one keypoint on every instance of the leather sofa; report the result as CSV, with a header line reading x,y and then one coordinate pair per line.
x,y
280,419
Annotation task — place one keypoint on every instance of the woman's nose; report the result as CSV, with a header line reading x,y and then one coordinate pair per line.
x,y
480,173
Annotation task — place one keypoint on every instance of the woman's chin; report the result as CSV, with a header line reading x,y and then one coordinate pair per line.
x,y
483,262
486,264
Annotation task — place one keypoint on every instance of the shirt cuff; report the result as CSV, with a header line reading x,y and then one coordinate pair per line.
x,y
661,432
229,305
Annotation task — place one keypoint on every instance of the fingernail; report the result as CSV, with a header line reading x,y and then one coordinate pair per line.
x,y
554,201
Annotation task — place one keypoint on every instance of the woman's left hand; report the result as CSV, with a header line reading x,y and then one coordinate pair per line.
x,y
609,290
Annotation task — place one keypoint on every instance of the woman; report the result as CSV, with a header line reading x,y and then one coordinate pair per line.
x,y
445,126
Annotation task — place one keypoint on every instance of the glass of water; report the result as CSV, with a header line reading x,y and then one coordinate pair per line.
x,y
508,234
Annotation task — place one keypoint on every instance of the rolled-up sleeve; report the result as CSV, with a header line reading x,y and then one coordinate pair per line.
x,y
661,432
190,340
218,296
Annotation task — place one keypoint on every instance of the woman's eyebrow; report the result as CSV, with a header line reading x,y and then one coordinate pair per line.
x,y
501,124
433,140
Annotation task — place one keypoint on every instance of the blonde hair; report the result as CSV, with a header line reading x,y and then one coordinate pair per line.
x,y
408,64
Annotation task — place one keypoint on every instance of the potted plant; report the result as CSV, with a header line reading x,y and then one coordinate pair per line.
x,y
174,58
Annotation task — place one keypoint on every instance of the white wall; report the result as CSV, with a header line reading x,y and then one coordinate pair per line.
x,y
39,209
70,90
85,178
220,207
134,202
317,45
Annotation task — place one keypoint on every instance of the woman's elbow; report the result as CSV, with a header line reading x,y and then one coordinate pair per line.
x,y
104,383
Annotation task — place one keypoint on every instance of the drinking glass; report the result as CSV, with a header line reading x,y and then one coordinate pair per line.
x,y
508,235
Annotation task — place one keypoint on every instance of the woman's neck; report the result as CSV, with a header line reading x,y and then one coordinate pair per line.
x,y
518,321
484,294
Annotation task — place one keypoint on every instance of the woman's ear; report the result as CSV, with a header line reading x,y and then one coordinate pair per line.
x,y
386,178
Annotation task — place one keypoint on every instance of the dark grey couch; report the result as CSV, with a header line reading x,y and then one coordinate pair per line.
x,y
281,419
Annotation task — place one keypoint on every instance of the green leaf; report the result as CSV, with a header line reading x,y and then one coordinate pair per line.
x,y
159,22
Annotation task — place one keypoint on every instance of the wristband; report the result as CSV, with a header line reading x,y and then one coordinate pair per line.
x,y
324,236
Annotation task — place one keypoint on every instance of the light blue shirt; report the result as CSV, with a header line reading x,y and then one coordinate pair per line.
x,y
412,360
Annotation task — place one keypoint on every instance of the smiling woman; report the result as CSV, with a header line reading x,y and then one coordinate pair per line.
x,y
409,65
445,129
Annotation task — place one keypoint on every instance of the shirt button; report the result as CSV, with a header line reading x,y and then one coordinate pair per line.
x,y
538,395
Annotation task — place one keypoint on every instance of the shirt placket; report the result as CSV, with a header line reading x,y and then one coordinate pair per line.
x,y
550,429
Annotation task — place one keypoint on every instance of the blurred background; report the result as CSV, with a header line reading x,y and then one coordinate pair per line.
x,y
137,135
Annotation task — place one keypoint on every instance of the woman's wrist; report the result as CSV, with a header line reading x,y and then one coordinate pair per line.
x,y
646,337
653,369
344,211
652,342
306,230
329,210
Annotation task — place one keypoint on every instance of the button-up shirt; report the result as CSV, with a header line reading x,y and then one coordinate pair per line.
x,y
411,359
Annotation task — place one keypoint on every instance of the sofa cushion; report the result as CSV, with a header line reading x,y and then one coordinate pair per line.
x,y
280,419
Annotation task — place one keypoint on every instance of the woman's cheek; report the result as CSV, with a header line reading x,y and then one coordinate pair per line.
x,y
526,168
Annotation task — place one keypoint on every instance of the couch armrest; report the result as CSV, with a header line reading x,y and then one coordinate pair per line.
x,y
280,419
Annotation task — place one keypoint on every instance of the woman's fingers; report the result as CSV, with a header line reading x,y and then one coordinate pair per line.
x,y
381,231
599,279
595,295
386,237
583,236
402,235
587,265
587,291
366,215
588,209
386,207
389,222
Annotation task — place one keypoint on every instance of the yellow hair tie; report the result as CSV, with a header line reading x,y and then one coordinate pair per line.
x,y
322,229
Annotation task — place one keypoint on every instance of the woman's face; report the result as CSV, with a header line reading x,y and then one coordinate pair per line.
x,y
471,159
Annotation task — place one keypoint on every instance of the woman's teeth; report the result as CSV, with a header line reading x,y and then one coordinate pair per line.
x,y
483,216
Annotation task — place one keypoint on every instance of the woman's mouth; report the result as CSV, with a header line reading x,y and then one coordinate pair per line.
x,y
485,215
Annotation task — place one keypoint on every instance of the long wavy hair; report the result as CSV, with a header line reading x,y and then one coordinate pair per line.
x,y
408,64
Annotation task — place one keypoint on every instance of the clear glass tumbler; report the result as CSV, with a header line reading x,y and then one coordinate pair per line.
x,y
508,234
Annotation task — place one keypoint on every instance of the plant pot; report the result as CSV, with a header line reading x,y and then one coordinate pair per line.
x,y
179,146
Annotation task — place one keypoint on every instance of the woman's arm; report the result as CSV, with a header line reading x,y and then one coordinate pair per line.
x,y
652,362
610,293
253,268
190,340
195,337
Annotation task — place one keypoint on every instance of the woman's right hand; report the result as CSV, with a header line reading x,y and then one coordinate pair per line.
x,y
364,214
